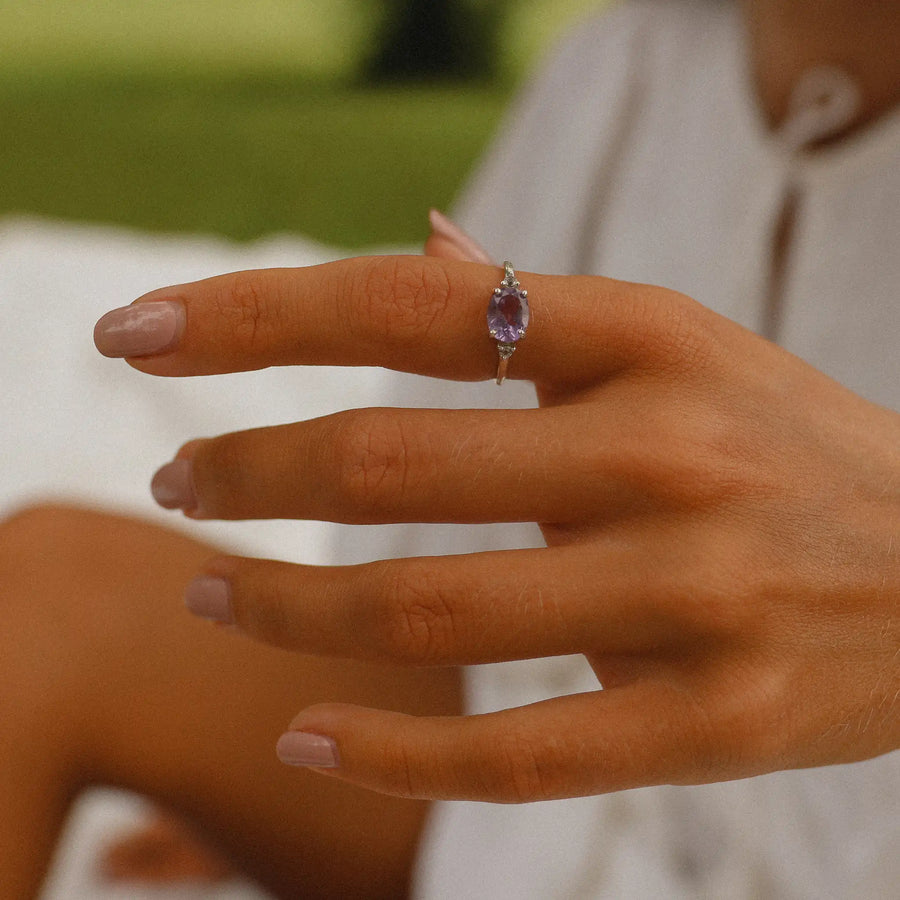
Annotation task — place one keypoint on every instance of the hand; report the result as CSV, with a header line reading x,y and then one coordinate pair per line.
x,y
721,522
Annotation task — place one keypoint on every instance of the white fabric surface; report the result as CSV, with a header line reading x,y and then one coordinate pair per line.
x,y
81,428
637,154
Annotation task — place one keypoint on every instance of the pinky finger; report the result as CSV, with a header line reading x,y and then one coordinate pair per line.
x,y
579,745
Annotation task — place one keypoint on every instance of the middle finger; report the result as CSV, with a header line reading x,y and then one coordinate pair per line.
x,y
401,465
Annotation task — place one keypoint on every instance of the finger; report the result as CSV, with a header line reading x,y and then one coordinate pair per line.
x,y
440,247
409,313
404,465
642,734
449,241
450,610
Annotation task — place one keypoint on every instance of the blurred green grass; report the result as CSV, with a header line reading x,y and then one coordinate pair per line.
x,y
347,167
234,117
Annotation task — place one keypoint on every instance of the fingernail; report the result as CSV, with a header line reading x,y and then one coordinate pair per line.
x,y
210,598
141,329
173,486
450,231
298,748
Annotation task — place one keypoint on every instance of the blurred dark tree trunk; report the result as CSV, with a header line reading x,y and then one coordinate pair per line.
x,y
435,40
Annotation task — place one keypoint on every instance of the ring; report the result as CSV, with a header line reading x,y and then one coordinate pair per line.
x,y
508,316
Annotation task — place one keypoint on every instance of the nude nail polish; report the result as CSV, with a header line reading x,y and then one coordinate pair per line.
x,y
209,597
450,231
173,486
142,329
299,748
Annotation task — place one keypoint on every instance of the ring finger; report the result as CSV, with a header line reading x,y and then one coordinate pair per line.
x,y
446,610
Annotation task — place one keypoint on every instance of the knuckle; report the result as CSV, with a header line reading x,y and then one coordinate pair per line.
x,y
707,460
522,773
403,769
246,311
411,768
671,472
712,747
744,729
723,458
415,620
400,297
269,616
704,599
221,476
673,333
371,456
685,337
409,773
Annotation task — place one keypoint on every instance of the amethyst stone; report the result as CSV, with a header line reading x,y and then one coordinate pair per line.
x,y
508,314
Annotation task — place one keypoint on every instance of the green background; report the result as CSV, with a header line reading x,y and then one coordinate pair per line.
x,y
239,117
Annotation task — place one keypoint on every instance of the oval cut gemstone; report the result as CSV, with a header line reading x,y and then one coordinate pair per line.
x,y
508,314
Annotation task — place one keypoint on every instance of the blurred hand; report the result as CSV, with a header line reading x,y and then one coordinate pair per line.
x,y
164,851
721,522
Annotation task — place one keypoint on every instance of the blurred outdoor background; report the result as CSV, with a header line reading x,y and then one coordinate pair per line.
x,y
343,120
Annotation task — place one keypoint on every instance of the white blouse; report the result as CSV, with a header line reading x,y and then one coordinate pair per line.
x,y
640,154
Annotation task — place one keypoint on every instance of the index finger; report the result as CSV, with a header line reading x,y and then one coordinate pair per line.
x,y
408,313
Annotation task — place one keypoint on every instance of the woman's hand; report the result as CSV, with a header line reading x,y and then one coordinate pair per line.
x,y
721,522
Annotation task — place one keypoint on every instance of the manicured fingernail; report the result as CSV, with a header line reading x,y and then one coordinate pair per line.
x,y
450,231
173,486
210,598
298,748
141,329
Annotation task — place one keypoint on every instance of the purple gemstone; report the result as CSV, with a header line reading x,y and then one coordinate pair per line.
x,y
508,314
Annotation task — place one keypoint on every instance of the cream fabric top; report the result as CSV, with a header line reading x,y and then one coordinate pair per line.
x,y
640,154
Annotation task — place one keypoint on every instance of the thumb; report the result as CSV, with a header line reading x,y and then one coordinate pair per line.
x,y
448,241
